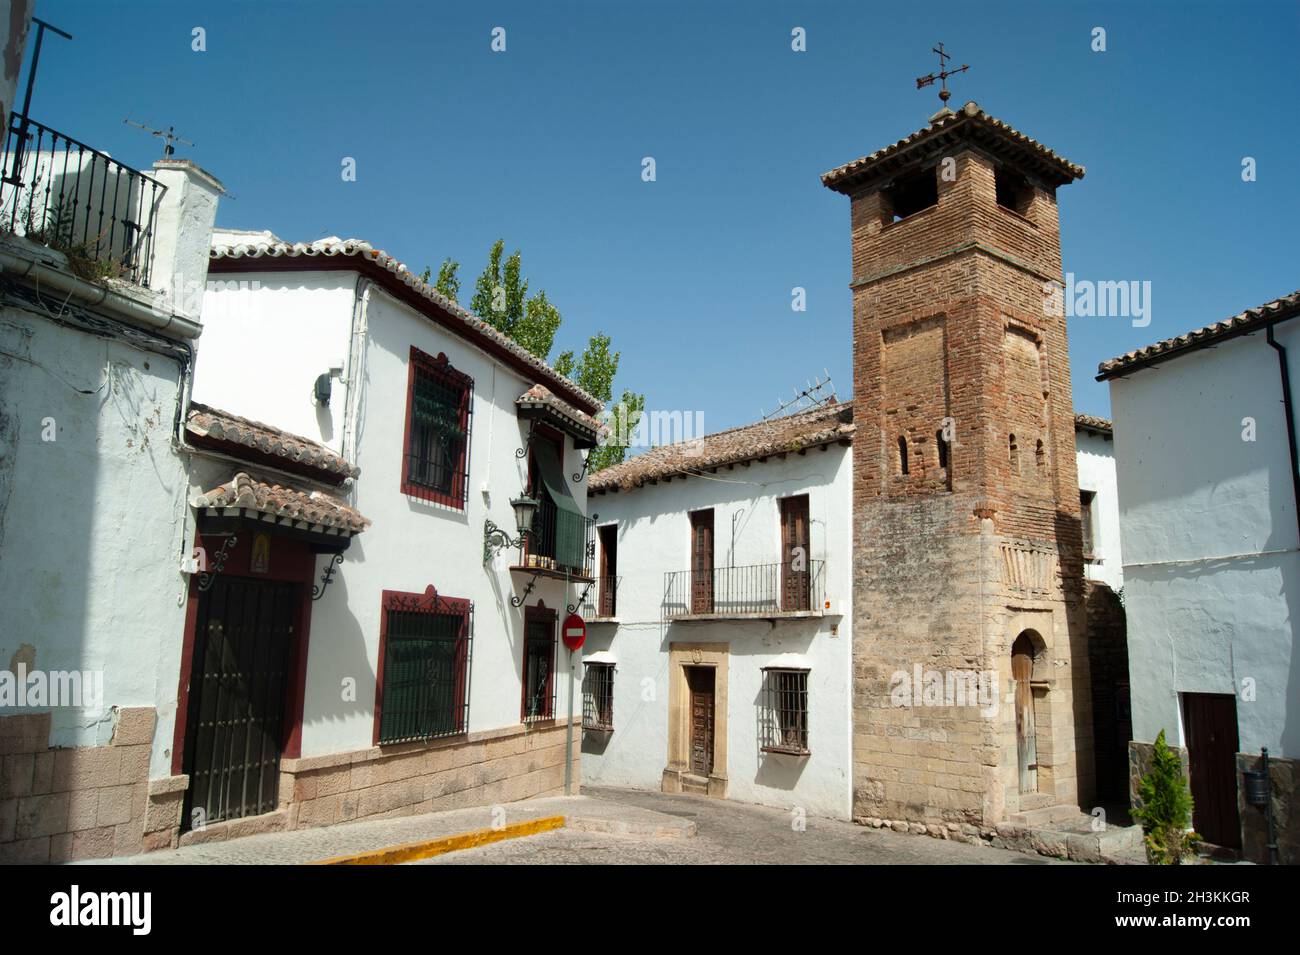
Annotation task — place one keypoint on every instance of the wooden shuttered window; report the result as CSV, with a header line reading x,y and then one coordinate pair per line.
x,y
424,668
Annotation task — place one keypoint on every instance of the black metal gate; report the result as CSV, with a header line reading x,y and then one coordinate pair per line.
x,y
237,686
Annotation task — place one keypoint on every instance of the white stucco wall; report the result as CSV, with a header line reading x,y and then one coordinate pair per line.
x,y
92,524
1096,461
1210,540
302,323
654,539
266,336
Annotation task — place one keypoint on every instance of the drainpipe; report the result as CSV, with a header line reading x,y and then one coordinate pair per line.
x,y
1290,420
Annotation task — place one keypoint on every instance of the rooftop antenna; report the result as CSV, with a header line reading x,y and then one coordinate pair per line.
x,y
814,394
168,137
942,75
15,176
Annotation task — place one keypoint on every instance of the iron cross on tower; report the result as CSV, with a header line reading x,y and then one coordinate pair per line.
x,y
942,75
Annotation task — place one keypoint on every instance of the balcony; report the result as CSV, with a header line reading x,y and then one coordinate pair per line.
x,y
76,200
562,544
754,592
599,602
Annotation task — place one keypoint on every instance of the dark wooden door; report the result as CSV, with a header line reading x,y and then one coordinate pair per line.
x,y
795,580
702,561
700,680
1022,672
1211,723
608,571
237,695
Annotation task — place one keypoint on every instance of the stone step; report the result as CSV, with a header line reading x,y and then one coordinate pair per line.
x,y
1050,816
698,785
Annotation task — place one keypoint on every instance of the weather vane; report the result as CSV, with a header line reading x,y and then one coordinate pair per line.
x,y
942,75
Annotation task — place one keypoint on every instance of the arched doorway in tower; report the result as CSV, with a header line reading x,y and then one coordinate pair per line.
x,y
1023,652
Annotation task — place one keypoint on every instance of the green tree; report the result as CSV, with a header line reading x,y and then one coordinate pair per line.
x,y
622,422
486,298
1165,809
536,329
448,281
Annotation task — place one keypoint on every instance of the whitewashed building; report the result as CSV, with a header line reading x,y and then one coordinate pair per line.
x,y
360,442
1094,444
1205,436
99,317
719,651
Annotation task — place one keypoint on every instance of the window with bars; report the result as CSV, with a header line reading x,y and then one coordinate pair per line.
x,y
598,697
436,446
425,645
539,666
784,715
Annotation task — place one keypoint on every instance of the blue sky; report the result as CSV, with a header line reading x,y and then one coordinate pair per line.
x,y
542,145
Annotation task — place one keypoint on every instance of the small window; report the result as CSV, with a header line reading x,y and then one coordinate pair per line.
x,y
1086,500
1040,454
1013,453
941,443
423,691
1013,190
598,697
910,194
785,711
539,665
436,446
902,454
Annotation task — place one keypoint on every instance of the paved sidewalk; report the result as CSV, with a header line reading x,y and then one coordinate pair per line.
x,y
583,814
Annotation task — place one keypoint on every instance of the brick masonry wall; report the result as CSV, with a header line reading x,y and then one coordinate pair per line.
x,y
949,317
59,805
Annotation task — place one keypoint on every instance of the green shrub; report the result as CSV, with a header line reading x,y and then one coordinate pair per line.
x,y
1166,808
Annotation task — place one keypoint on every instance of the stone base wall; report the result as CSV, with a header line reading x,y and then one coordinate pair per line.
x,y
59,805
1283,776
495,766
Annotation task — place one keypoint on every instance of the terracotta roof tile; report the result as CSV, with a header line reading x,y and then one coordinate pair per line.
x,y
217,425
321,510
822,425
1087,422
270,247
1250,320
970,120
541,395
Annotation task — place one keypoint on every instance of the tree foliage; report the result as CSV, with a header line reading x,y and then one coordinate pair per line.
x,y
1165,809
501,299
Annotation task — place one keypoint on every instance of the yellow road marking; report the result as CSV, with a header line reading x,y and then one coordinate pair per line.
x,y
411,851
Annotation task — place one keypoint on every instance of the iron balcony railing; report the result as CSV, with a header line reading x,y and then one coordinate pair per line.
x,y
63,194
559,541
754,590
600,600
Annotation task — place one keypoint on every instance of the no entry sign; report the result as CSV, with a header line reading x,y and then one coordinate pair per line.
x,y
574,631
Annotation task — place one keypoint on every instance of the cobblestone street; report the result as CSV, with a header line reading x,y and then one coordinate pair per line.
x,y
732,833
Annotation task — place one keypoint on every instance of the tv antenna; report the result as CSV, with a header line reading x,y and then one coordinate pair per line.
x,y
942,75
814,394
168,137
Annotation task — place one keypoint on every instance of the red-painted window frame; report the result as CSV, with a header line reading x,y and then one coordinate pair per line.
x,y
441,369
428,602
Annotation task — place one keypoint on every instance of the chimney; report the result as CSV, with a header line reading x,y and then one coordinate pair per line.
x,y
182,234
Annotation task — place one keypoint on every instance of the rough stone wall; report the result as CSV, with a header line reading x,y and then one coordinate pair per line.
x,y
1283,775
948,572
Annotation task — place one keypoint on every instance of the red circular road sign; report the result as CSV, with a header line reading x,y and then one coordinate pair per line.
x,y
574,631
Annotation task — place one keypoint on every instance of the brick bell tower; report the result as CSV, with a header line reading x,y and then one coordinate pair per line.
x,y
971,697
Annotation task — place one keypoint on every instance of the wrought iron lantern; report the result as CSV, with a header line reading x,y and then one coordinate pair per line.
x,y
495,538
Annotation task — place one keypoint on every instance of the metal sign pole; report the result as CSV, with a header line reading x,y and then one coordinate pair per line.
x,y
568,737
